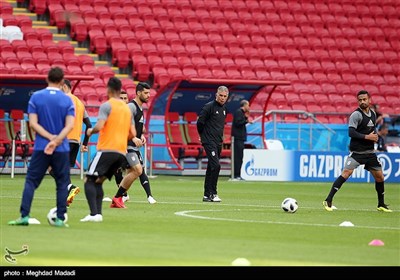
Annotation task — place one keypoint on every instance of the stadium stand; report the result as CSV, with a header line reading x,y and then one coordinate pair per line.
x,y
314,43
19,131
5,143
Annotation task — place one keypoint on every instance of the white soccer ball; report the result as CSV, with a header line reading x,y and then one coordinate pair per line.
x,y
289,205
52,215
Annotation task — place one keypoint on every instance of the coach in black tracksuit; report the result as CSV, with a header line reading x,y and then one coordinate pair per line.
x,y
210,126
239,133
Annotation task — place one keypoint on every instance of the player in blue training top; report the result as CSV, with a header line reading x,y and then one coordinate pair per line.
x,y
51,115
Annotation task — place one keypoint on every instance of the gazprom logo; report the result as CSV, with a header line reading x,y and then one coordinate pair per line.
x,y
249,166
386,165
251,170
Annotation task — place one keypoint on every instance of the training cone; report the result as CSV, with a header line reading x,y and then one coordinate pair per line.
x,y
347,224
376,242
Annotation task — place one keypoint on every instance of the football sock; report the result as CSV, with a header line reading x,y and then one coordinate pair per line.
x,y
335,187
99,197
120,192
144,180
91,193
118,177
380,190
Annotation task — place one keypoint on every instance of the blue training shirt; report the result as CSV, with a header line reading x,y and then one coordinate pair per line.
x,y
52,106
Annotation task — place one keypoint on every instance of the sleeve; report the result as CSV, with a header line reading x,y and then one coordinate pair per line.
x,y
239,119
355,119
201,120
132,108
104,111
71,108
88,125
31,105
353,133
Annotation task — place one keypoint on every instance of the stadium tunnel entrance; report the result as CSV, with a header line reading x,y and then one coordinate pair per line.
x,y
16,137
172,115
16,89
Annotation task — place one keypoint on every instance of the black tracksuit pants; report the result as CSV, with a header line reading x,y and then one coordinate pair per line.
x,y
237,157
213,152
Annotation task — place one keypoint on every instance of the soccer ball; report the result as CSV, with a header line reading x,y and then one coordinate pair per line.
x,y
52,215
289,205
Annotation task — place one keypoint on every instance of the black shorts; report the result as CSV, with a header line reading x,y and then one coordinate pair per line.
x,y
133,158
370,161
106,164
73,153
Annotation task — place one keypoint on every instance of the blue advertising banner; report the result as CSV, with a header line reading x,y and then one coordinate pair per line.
x,y
15,93
270,165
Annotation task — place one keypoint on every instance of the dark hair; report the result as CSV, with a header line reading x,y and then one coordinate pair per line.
x,y
55,75
67,83
114,84
124,93
141,86
363,92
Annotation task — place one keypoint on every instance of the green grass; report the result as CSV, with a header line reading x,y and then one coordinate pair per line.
x,y
181,230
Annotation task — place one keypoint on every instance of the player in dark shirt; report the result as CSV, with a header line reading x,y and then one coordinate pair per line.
x,y
362,131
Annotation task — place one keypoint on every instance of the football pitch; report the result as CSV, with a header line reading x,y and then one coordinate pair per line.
x,y
181,230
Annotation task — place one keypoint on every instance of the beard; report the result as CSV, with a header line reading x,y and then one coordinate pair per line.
x,y
143,100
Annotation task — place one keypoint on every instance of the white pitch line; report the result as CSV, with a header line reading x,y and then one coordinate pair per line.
x,y
186,213
144,201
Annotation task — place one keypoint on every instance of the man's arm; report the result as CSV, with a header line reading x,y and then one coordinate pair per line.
x,y
104,112
132,135
239,119
96,129
201,121
354,134
57,139
88,124
34,124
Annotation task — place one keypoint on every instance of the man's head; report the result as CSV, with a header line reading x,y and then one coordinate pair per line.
x,y
363,99
114,86
222,95
67,86
376,108
124,96
244,104
383,129
55,76
142,92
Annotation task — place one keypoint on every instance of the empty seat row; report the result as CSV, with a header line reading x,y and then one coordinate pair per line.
x,y
35,45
